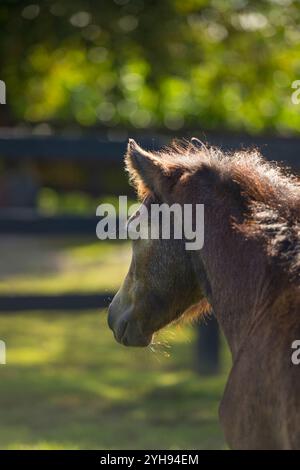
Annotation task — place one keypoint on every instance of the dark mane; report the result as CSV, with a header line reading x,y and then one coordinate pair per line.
x,y
269,193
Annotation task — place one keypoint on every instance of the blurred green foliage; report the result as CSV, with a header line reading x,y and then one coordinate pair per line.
x,y
152,64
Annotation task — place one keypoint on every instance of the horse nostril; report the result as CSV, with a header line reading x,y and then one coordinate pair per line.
x,y
117,320
110,317
120,330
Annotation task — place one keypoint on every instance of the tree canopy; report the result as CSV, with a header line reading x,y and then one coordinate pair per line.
x,y
171,64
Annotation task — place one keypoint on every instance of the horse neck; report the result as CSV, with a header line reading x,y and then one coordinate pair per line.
x,y
237,282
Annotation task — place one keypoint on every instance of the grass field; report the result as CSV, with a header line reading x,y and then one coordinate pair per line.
x,y
58,265
68,385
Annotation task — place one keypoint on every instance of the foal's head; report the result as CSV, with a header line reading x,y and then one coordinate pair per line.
x,y
161,284
245,198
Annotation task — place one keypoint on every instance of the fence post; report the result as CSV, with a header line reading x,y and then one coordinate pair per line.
x,y
208,346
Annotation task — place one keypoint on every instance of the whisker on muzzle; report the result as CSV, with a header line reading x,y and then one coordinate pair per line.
x,y
160,347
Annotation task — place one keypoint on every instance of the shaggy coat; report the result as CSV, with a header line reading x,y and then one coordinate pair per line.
x,y
248,272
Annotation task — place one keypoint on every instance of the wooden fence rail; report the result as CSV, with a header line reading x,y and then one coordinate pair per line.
x,y
66,302
87,148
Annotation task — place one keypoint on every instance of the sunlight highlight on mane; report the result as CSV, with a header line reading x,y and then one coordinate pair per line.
x,y
260,180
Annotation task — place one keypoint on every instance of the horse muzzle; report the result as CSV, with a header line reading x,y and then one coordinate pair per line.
x,y
125,328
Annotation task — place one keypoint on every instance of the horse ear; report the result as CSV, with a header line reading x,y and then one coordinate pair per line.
x,y
143,167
